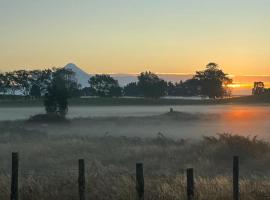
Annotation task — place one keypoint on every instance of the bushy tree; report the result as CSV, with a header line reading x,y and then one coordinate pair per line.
x,y
87,91
151,86
40,80
3,83
171,89
105,86
59,90
132,90
212,81
35,91
22,81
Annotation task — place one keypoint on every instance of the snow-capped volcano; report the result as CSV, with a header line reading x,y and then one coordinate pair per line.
x,y
81,76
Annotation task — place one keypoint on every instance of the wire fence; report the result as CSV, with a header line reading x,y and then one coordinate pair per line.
x,y
85,183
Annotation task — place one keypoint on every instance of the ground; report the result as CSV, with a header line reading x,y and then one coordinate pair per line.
x,y
49,154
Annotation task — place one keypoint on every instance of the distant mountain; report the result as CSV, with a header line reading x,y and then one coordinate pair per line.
x,y
81,76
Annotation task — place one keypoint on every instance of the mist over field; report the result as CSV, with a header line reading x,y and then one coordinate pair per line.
x,y
146,121
112,139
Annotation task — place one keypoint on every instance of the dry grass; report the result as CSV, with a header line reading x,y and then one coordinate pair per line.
x,y
48,165
122,187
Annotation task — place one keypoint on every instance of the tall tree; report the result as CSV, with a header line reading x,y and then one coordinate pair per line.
x,y
213,81
59,90
151,86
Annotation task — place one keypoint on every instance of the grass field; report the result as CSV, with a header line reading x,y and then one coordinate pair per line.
x,y
20,101
49,156
48,164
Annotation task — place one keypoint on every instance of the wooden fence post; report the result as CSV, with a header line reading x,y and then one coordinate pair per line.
x,y
235,178
190,184
14,177
140,181
81,180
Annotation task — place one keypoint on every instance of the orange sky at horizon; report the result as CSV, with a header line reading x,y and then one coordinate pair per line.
x,y
125,36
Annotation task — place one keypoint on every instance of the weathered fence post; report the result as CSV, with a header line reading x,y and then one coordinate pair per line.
x,y
190,184
235,178
14,177
140,181
81,180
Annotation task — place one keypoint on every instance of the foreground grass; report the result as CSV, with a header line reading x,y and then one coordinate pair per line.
x,y
105,186
48,165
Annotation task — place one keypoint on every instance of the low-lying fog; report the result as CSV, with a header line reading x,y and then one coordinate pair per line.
x,y
187,122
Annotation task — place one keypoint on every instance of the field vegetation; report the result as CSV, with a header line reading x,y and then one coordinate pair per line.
x,y
48,164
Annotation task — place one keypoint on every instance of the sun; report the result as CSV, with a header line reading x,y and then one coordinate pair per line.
x,y
234,85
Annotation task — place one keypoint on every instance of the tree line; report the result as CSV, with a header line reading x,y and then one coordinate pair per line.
x,y
211,82
57,85
34,83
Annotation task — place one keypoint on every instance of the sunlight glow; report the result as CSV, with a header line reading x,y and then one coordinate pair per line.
x,y
234,85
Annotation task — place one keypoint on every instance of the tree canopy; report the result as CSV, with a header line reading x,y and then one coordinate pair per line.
x,y
105,86
132,90
58,91
151,86
212,81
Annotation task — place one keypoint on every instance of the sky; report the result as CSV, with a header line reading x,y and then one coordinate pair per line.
x,y
124,36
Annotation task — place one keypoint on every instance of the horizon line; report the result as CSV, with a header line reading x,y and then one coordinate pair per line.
x,y
137,73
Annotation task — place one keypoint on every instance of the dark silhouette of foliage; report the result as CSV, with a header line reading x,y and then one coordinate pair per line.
x,y
132,90
3,83
87,91
56,97
35,91
151,86
60,89
212,81
259,89
40,79
105,86
21,79
170,90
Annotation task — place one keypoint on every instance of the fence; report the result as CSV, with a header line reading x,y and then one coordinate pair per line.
x,y
190,181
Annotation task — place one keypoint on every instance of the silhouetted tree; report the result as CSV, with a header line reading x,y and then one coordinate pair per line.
x,y
21,79
11,84
171,89
59,90
87,91
3,83
40,80
190,87
35,91
151,86
132,90
105,86
212,81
